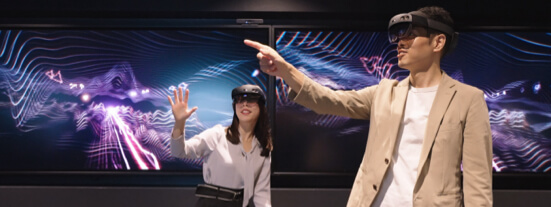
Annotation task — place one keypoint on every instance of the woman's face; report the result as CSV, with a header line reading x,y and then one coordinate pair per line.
x,y
247,109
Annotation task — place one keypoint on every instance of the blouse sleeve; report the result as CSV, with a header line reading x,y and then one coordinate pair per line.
x,y
197,146
262,193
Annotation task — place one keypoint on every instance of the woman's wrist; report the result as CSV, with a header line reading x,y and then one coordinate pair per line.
x,y
178,129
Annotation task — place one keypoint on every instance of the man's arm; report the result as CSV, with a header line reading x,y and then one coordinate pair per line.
x,y
322,100
477,155
273,64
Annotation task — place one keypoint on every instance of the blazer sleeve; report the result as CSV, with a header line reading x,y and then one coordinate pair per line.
x,y
197,146
477,154
262,193
323,100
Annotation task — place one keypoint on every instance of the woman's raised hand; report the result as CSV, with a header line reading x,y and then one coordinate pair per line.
x,y
180,106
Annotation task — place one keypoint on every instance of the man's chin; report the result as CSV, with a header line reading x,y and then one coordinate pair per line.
x,y
403,65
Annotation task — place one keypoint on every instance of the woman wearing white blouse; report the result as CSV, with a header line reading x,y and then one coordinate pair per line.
x,y
236,159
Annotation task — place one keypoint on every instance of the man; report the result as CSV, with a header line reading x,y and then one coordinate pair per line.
x,y
429,140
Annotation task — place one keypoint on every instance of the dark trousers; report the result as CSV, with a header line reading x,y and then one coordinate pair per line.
x,y
208,202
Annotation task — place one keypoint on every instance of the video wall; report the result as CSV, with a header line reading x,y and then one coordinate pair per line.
x,y
96,99
512,68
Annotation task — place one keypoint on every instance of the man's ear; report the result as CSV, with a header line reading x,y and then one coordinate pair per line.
x,y
439,41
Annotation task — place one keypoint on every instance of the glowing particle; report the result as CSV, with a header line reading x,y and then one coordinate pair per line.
x,y
536,87
85,97
255,73
132,93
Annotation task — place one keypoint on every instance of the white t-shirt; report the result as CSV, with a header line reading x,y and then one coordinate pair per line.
x,y
398,184
228,165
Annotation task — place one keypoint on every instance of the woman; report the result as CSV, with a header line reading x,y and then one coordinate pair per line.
x,y
236,159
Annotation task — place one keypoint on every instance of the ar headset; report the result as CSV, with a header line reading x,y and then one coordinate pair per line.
x,y
248,92
401,26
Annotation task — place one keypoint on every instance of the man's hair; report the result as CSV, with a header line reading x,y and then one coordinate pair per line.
x,y
441,15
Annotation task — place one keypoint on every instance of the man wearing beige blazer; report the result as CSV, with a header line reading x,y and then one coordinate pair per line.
x,y
429,141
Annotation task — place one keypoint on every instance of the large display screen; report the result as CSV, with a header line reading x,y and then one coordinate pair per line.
x,y
512,68
96,99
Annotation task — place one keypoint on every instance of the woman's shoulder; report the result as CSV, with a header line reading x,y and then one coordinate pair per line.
x,y
219,127
218,130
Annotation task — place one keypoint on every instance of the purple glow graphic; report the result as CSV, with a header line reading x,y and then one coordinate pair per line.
x,y
55,76
508,68
375,65
96,100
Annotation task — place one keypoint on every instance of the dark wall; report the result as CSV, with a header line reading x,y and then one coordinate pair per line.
x,y
31,196
468,13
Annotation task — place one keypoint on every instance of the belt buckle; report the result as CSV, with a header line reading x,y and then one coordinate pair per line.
x,y
235,194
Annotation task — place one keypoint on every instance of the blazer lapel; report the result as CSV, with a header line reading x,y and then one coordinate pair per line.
x,y
397,109
444,95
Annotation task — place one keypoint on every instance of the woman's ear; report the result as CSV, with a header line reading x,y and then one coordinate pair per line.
x,y
439,41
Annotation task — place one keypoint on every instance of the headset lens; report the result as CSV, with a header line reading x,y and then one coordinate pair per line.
x,y
249,98
399,31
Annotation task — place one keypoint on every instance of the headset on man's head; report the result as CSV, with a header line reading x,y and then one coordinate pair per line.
x,y
401,25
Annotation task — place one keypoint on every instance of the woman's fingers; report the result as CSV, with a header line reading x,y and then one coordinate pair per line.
x,y
175,96
186,97
170,101
192,110
180,94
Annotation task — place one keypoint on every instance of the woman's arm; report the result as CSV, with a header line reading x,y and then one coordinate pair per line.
x,y
262,193
195,147
180,111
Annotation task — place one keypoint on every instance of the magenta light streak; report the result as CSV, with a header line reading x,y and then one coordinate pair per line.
x,y
495,166
145,159
381,68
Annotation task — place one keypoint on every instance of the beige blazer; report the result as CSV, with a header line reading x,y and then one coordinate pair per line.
x,y
457,135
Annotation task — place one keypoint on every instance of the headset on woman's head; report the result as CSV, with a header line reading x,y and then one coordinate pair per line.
x,y
248,92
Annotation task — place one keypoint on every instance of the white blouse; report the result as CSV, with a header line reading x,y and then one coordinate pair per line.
x,y
228,165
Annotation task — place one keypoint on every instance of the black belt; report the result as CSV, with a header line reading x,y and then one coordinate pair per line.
x,y
219,193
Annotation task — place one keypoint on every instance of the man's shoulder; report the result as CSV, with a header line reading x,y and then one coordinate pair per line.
x,y
388,82
464,87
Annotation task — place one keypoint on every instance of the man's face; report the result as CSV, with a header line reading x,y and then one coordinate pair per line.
x,y
415,50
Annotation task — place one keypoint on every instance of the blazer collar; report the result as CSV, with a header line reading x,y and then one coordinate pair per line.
x,y
445,81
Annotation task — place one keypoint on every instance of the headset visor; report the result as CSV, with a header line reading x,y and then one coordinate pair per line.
x,y
399,31
401,25
246,97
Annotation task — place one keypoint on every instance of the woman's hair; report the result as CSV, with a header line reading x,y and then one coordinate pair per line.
x,y
261,129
